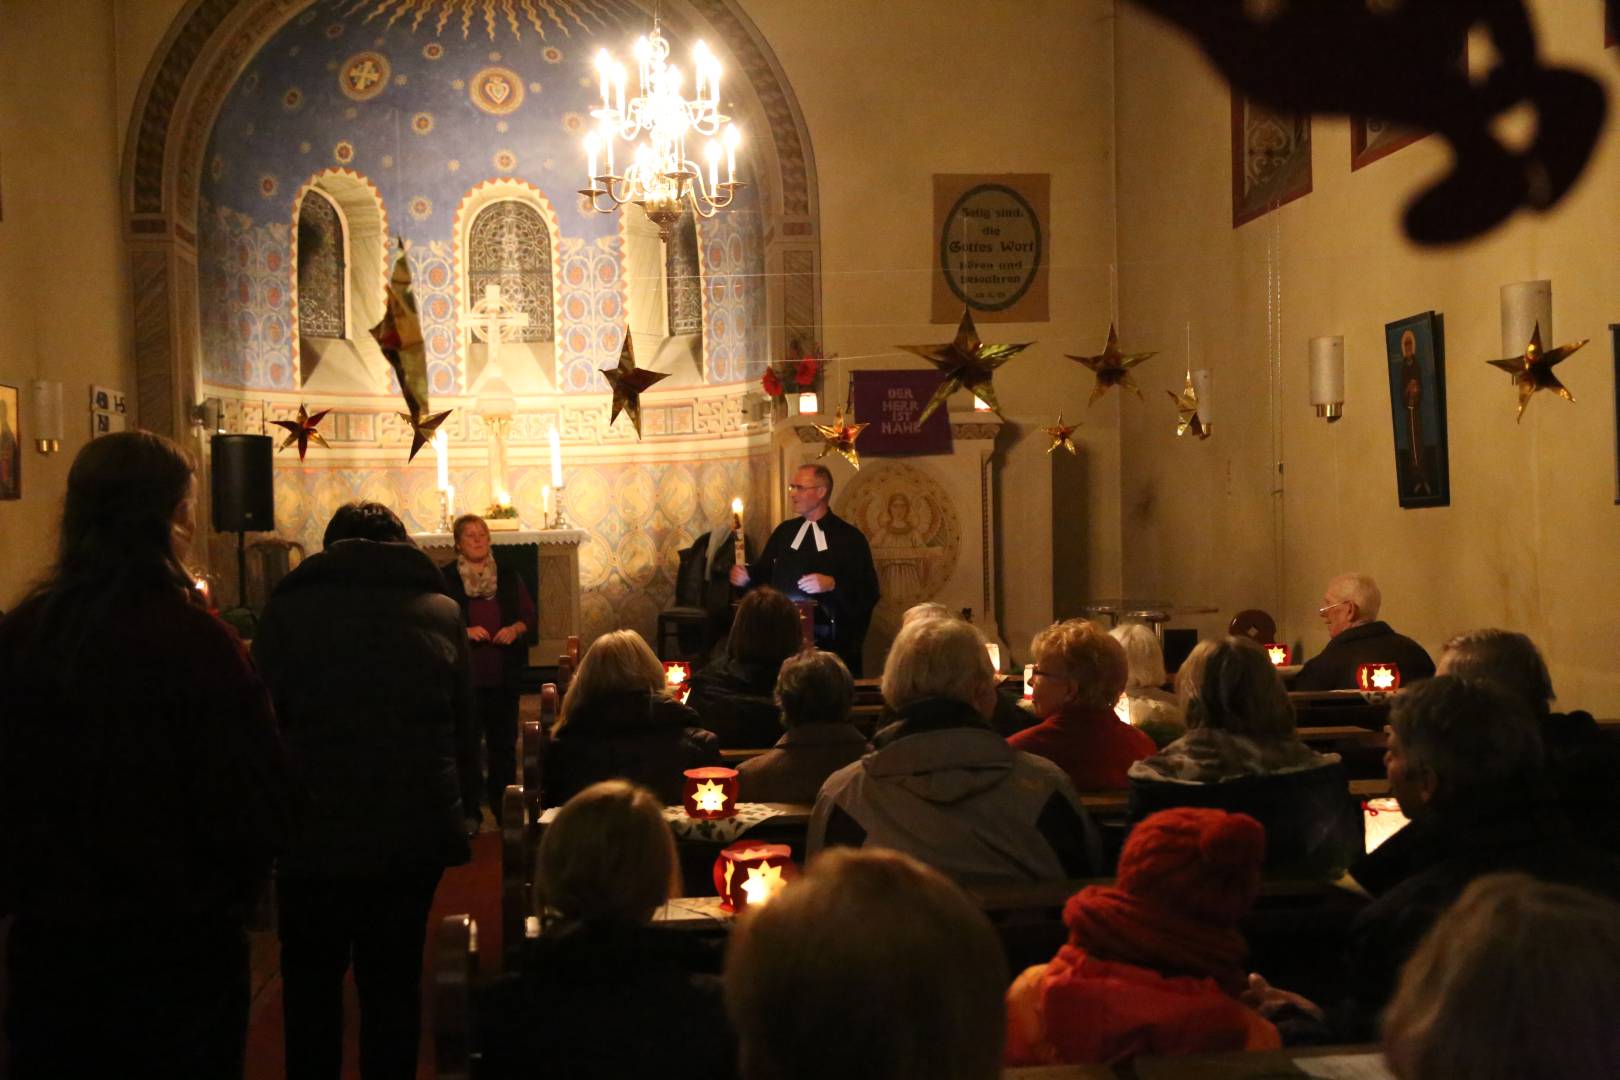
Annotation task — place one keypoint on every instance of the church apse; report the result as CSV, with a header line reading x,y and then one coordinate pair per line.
x,y
425,114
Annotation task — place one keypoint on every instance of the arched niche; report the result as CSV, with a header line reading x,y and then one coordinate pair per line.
x,y
212,41
350,362
529,365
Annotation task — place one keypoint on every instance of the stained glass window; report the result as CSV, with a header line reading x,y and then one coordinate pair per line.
x,y
509,246
683,278
321,265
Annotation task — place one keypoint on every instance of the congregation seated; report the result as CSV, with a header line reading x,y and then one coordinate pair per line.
x,y
1010,717
1079,673
1464,761
733,695
602,992
1582,764
942,786
871,965
1520,980
815,692
617,720
1152,709
1241,753
1350,607
1154,963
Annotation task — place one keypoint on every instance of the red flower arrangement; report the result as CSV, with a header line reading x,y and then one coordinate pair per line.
x,y
798,372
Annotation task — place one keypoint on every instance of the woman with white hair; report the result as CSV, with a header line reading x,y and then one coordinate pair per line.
x,y
943,786
1151,708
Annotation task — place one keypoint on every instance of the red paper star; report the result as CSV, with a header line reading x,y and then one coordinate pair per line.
x,y
302,431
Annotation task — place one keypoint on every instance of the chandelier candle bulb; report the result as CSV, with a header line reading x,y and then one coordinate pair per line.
x,y
593,144
712,152
604,64
1327,377
732,138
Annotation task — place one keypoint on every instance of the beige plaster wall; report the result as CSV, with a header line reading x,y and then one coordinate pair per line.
x,y
897,92
63,298
1531,537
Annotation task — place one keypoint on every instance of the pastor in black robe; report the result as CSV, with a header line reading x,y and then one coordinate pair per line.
x,y
847,560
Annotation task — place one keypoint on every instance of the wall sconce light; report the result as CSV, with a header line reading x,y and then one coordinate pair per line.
x,y
1327,377
1379,678
750,874
46,401
1280,655
809,403
710,793
1525,306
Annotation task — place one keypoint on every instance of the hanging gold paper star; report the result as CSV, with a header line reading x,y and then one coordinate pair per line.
x,y
966,361
422,429
1112,367
1062,435
628,381
841,437
1187,418
1534,370
302,431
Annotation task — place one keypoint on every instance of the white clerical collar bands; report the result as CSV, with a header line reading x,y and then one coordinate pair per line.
x,y
810,526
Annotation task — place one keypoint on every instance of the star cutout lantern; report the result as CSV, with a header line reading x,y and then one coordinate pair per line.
x,y
423,428
1112,367
710,797
1187,418
1062,435
966,362
764,881
841,437
1534,370
628,381
302,431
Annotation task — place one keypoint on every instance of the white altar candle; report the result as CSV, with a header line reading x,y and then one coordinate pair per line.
x,y
556,457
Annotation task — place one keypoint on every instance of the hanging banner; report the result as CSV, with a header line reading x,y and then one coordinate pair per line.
x,y
891,401
990,247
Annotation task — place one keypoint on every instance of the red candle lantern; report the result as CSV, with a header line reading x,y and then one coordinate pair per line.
x,y
1279,654
678,679
710,793
1029,682
1380,678
749,874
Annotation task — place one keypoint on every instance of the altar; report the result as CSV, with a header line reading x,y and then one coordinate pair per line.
x,y
548,561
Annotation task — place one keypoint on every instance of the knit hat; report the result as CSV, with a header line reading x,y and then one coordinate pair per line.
x,y
1204,862
1186,878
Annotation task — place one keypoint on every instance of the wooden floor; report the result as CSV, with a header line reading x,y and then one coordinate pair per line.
x,y
473,889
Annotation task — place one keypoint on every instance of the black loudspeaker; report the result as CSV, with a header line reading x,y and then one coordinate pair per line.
x,y
244,493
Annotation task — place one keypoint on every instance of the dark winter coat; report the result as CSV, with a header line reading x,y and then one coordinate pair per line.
x,y
736,700
648,738
1334,668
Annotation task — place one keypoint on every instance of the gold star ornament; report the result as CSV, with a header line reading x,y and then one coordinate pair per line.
x,y
1534,370
841,437
1112,367
628,381
302,431
423,428
966,362
1187,418
1062,435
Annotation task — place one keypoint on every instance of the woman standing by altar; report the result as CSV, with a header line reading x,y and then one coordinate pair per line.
x,y
499,612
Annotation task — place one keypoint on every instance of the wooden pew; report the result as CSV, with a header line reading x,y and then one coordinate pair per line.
x,y
517,870
455,968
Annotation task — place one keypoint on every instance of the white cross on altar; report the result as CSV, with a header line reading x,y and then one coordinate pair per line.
x,y
491,317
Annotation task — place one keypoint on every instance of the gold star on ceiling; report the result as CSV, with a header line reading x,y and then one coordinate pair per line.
x,y
302,431
1112,367
628,381
422,428
841,437
966,362
1534,370
1062,435
1187,418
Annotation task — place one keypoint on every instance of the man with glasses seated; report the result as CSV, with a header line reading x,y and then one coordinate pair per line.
x,y
819,556
1350,608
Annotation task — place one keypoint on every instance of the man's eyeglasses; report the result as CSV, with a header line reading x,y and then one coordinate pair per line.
x,y
1323,610
794,489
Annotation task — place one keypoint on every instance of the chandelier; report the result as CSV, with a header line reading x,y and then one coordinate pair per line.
x,y
656,126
